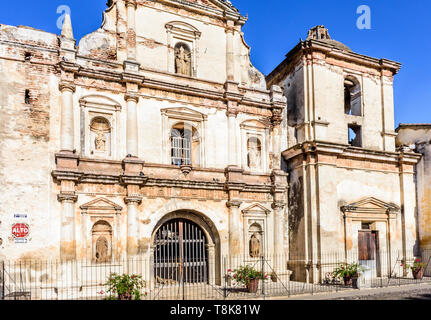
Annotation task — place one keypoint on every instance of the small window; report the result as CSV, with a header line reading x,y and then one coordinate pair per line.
x,y
352,97
185,144
366,226
355,136
27,56
27,96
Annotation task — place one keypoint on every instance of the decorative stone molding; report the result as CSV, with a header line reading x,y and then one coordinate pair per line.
x,y
133,199
133,180
131,3
132,96
69,66
233,203
278,206
74,176
67,197
371,209
186,169
182,32
101,205
65,85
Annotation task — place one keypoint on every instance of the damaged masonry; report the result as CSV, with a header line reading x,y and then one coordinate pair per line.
x,y
156,128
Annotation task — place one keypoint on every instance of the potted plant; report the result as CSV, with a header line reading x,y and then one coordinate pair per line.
x,y
249,277
417,268
349,272
125,287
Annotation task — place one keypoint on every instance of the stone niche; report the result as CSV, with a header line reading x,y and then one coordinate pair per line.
x,y
101,226
255,231
100,131
254,150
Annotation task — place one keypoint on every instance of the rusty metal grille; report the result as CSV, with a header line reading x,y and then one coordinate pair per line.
x,y
180,254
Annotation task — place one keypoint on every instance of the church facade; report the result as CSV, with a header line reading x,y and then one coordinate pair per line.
x,y
156,128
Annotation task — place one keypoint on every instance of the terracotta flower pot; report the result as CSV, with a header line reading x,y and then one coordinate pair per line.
x,y
348,281
418,274
253,286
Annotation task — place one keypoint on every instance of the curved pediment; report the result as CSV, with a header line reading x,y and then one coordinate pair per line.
x,y
181,26
184,113
254,124
97,100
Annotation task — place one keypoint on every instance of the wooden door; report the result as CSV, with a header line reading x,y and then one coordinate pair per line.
x,y
367,244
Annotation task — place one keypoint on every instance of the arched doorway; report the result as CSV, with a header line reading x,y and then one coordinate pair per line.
x,y
181,253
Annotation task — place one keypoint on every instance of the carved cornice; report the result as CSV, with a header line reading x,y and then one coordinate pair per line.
x,y
69,66
132,77
67,175
133,180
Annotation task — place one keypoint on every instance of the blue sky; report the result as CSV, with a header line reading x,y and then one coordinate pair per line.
x,y
399,31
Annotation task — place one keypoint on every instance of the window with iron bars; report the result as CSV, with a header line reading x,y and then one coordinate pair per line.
x,y
181,147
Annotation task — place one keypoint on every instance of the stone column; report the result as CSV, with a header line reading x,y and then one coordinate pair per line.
x,y
234,186
131,29
132,124
67,232
279,190
133,235
235,231
230,56
278,103
232,145
67,128
133,178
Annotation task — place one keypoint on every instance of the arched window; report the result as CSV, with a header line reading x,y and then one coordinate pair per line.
x,y
183,59
185,145
100,129
352,96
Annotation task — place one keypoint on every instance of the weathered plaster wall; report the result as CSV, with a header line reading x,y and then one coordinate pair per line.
x,y
26,141
417,138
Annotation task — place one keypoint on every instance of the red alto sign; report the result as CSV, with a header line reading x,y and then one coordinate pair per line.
x,y
20,230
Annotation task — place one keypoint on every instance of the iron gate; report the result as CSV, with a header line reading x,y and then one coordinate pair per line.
x,y
180,254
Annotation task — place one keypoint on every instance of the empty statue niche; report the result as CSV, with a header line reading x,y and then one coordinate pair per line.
x,y
102,242
355,135
352,96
